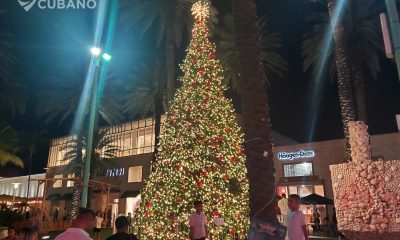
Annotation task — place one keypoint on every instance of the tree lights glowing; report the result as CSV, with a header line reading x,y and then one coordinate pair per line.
x,y
200,152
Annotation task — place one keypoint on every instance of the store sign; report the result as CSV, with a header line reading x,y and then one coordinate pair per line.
x,y
115,172
295,155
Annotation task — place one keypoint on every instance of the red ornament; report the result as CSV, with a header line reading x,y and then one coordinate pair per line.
x,y
227,130
233,230
211,56
199,184
203,174
214,143
218,198
148,204
220,158
208,85
194,85
178,167
226,177
202,71
221,138
233,159
194,61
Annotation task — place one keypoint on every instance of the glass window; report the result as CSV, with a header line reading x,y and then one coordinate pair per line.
x,y
135,174
298,169
305,190
319,189
70,183
292,190
57,183
127,143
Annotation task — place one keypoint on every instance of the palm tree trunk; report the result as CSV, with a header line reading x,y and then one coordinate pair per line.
x,y
359,90
170,59
344,76
78,174
255,111
29,176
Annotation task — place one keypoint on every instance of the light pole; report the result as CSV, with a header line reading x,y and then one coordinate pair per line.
x,y
15,187
394,30
92,120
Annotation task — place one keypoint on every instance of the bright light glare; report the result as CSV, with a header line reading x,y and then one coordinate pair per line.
x,y
106,56
46,237
95,51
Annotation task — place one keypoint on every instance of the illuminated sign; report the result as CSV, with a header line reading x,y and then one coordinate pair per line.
x,y
296,155
115,172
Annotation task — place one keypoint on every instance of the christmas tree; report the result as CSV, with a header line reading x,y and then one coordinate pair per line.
x,y
200,153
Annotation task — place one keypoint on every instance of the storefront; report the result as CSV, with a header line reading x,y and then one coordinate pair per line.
x,y
303,169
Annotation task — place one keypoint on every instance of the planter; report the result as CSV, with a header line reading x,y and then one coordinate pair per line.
x,y
367,199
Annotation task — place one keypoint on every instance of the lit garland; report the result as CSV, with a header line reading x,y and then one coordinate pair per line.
x,y
200,153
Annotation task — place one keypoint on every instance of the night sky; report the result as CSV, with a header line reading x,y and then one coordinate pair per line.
x,y
48,42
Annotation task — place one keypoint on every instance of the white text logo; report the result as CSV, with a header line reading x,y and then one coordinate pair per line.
x,y
59,4
294,155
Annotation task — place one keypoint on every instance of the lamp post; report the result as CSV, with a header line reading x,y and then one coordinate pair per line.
x,y
92,120
15,187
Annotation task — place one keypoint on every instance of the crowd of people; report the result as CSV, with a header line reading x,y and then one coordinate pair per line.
x,y
87,220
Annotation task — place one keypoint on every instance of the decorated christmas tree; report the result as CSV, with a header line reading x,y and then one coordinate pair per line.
x,y
200,153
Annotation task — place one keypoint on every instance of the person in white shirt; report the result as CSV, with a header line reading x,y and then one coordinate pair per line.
x,y
284,207
85,220
296,222
198,223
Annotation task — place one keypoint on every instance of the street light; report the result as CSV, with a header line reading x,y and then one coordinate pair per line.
x,y
92,120
15,187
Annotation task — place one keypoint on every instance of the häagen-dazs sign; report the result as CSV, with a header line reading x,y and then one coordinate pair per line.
x,y
296,155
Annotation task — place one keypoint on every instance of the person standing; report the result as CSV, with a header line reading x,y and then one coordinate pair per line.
x,y
198,223
122,224
85,220
99,223
28,233
10,234
129,217
295,220
284,207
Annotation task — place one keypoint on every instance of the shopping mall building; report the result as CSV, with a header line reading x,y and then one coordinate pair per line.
x,y
300,168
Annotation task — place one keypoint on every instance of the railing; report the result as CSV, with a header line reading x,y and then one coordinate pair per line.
x,y
181,232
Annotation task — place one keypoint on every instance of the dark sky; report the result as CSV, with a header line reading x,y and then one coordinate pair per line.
x,y
51,41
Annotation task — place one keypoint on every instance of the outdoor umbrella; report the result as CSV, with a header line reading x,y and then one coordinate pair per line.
x,y
313,199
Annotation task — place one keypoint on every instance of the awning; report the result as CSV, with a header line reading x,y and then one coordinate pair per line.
x,y
128,194
54,197
67,196
111,190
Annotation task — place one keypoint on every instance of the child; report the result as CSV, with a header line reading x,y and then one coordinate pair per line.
x,y
296,222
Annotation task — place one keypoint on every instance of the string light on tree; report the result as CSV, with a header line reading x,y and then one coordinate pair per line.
x,y
200,153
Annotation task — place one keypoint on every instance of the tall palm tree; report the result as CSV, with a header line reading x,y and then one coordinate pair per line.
x,y
61,101
8,140
12,92
228,52
28,144
363,42
343,72
168,19
104,148
255,111
147,95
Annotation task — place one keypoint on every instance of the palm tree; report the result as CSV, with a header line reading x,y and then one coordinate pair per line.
x,y
169,18
104,148
228,52
12,92
8,140
363,42
64,103
28,143
255,111
147,95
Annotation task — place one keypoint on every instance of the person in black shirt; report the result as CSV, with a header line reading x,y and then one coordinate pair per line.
x,y
121,224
